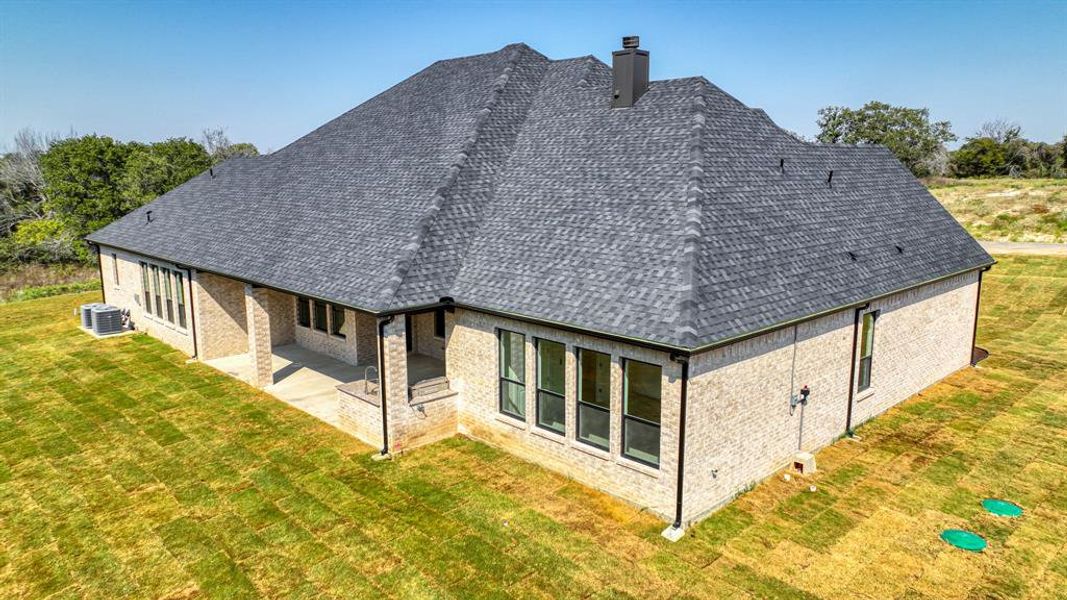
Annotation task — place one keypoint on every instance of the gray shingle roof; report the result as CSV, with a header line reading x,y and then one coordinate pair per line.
x,y
507,182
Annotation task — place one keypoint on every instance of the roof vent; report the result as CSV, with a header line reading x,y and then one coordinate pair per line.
x,y
148,216
629,67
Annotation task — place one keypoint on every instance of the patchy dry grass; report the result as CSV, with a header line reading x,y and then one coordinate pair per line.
x,y
38,281
1017,210
125,472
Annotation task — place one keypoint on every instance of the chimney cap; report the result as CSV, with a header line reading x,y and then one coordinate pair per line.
x,y
631,41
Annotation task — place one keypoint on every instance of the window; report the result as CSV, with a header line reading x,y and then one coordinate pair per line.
x,y
513,374
641,412
155,291
551,369
168,293
594,398
179,292
337,321
115,268
303,311
439,323
866,350
146,290
320,315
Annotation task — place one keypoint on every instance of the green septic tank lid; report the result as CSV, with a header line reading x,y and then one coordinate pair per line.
x,y
1002,508
964,540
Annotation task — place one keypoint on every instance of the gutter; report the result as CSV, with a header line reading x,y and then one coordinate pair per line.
x,y
659,346
381,382
677,526
852,367
100,270
977,305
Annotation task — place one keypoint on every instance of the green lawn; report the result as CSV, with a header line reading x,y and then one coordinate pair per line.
x,y
125,472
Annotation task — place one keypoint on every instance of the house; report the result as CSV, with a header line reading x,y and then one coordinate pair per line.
x,y
645,285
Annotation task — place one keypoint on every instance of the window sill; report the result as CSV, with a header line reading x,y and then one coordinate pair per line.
x,y
641,468
865,394
590,450
513,421
548,434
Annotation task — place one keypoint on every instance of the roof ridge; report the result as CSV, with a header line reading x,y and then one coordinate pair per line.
x,y
410,250
685,331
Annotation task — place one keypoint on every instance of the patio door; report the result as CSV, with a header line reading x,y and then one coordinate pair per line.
x,y
408,333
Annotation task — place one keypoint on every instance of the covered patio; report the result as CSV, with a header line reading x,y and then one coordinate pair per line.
x,y
309,380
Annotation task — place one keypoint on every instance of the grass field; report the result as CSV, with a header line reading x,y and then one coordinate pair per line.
x,y
125,472
39,281
1018,210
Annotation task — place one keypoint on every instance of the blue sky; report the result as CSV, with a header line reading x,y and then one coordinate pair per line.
x,y
269,71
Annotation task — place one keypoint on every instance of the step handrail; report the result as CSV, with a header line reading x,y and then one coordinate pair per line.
x,y
367,379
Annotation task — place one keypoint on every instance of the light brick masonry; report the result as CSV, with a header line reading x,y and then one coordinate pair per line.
x,y
740,427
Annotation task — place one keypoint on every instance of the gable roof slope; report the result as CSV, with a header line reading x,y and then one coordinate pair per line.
x,y
506,182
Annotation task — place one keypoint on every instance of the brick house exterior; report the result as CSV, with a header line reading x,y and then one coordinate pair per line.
x,y
648,336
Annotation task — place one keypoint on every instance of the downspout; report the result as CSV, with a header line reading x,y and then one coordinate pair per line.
x,y
684,360
852,367
103,287
381,382
192,307
977,305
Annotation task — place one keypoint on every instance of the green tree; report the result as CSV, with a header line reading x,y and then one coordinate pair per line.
x,y
82,177
219,146
906,132
980,157
152,170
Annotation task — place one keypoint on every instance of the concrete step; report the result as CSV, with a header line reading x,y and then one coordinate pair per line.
x,y
429,386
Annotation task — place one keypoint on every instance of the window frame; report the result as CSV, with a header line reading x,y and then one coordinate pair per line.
x,y
168,295
315,304
115,268
303,302
336,331
146,290
179,296
626,416
538,390
579,403
439,323
861,385
502,378
156,292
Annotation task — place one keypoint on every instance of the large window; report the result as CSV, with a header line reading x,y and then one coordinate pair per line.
x,y
168,293
594,398
866,350
551,382
155,291
337,321
146,289
319,315
513,374
641,411
303,311
439,323
179,292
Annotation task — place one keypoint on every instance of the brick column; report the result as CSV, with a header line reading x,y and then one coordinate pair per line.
x,y
258,318
396,382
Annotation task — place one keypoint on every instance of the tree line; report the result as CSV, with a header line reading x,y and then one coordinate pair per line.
x,y
997,149
55,190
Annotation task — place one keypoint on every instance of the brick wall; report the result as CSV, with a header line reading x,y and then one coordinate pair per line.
x,y
222,328
740,428
343,349
425,342
281,309
472,371
126,292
